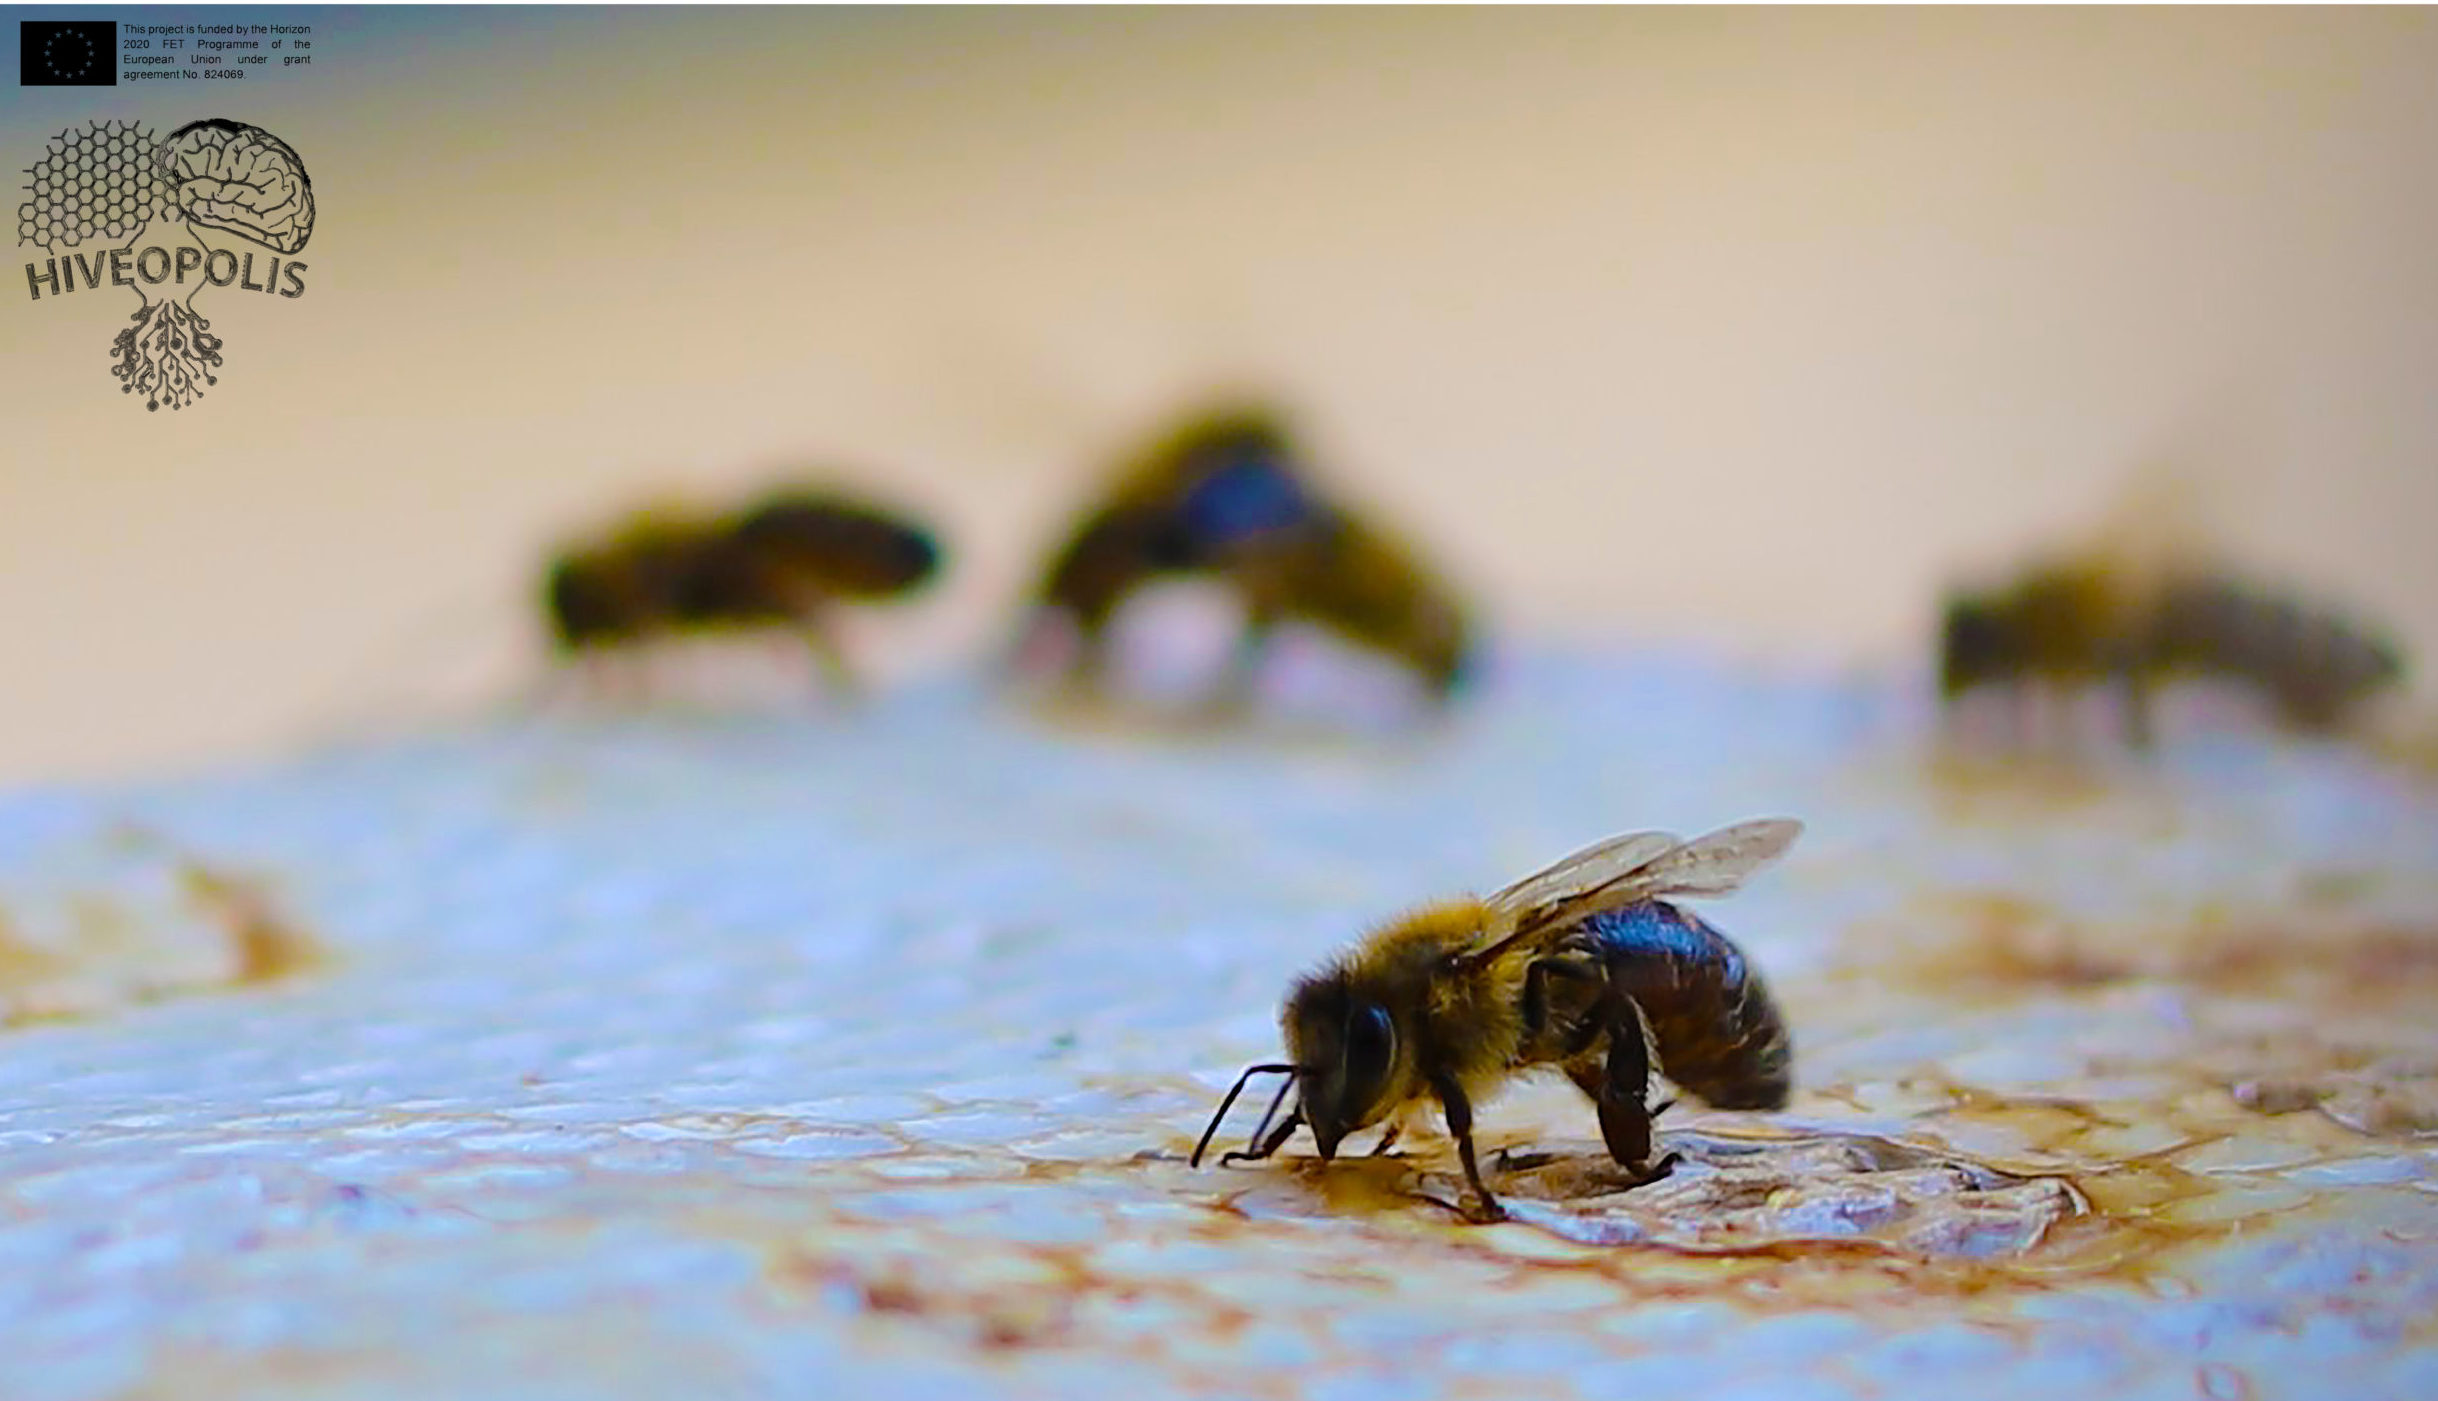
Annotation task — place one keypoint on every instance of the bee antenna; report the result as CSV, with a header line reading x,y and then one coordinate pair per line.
x,y
1230,1102
1252,1146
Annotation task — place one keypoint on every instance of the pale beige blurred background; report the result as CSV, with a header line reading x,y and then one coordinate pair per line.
x,y
1741,328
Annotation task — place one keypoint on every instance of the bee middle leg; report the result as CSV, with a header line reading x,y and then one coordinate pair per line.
x,y
1241,681
830,659
1536,1006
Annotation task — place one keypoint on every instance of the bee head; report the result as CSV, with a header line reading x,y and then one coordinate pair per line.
x,y
1344,1047
1973,645
590,600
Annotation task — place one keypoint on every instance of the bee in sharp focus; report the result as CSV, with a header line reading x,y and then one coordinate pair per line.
x,y
1225,497
784,562
1585,966
2082,622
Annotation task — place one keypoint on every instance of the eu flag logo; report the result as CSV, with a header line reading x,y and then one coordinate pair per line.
x,y
67,53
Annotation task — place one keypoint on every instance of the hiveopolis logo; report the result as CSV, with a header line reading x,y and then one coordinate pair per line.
x,y
111,181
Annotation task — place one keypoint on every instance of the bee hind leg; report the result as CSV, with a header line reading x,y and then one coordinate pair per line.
x,y
1620,1086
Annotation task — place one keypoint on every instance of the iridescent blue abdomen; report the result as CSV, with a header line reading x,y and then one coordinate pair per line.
x,y
1715,1027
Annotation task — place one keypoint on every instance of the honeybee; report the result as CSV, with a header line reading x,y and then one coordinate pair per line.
x,y
1585,966
2083,621
1225,497
784,561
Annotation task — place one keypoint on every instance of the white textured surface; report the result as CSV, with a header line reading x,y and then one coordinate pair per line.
x,y
773,1055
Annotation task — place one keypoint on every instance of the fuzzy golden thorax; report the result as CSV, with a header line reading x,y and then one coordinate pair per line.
x,y
1110,553
1164,468
1396,1016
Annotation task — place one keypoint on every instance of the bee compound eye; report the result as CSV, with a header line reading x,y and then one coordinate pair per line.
x,y
1370,1042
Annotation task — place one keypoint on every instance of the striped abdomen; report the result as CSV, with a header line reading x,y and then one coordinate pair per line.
x,y
2313,664
849,549
1717,1031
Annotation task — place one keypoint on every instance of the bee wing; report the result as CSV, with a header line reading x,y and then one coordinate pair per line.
x,y
1637,866
1580,874
1708,865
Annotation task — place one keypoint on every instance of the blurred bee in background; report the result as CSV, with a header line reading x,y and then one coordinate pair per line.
x,y
2144,603
784,562
1585,966
1226,498
2086,621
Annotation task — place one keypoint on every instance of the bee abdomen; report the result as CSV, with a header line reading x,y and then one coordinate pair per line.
x,y
1371,590
854,549
2310,662
1718,1032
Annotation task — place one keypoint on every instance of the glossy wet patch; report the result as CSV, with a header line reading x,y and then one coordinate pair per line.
x,y
1751,1196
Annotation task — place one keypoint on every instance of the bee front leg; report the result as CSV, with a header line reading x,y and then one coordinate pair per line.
x,y
1088,668
1092,661
633,674
1388,1140
2022,719
1278,1139
2133,690
1460,1127
575,676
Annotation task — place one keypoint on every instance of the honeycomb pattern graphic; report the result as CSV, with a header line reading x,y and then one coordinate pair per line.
x,y
97,183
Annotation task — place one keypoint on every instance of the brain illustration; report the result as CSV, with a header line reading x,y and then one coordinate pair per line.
x,y
228,175
99,183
